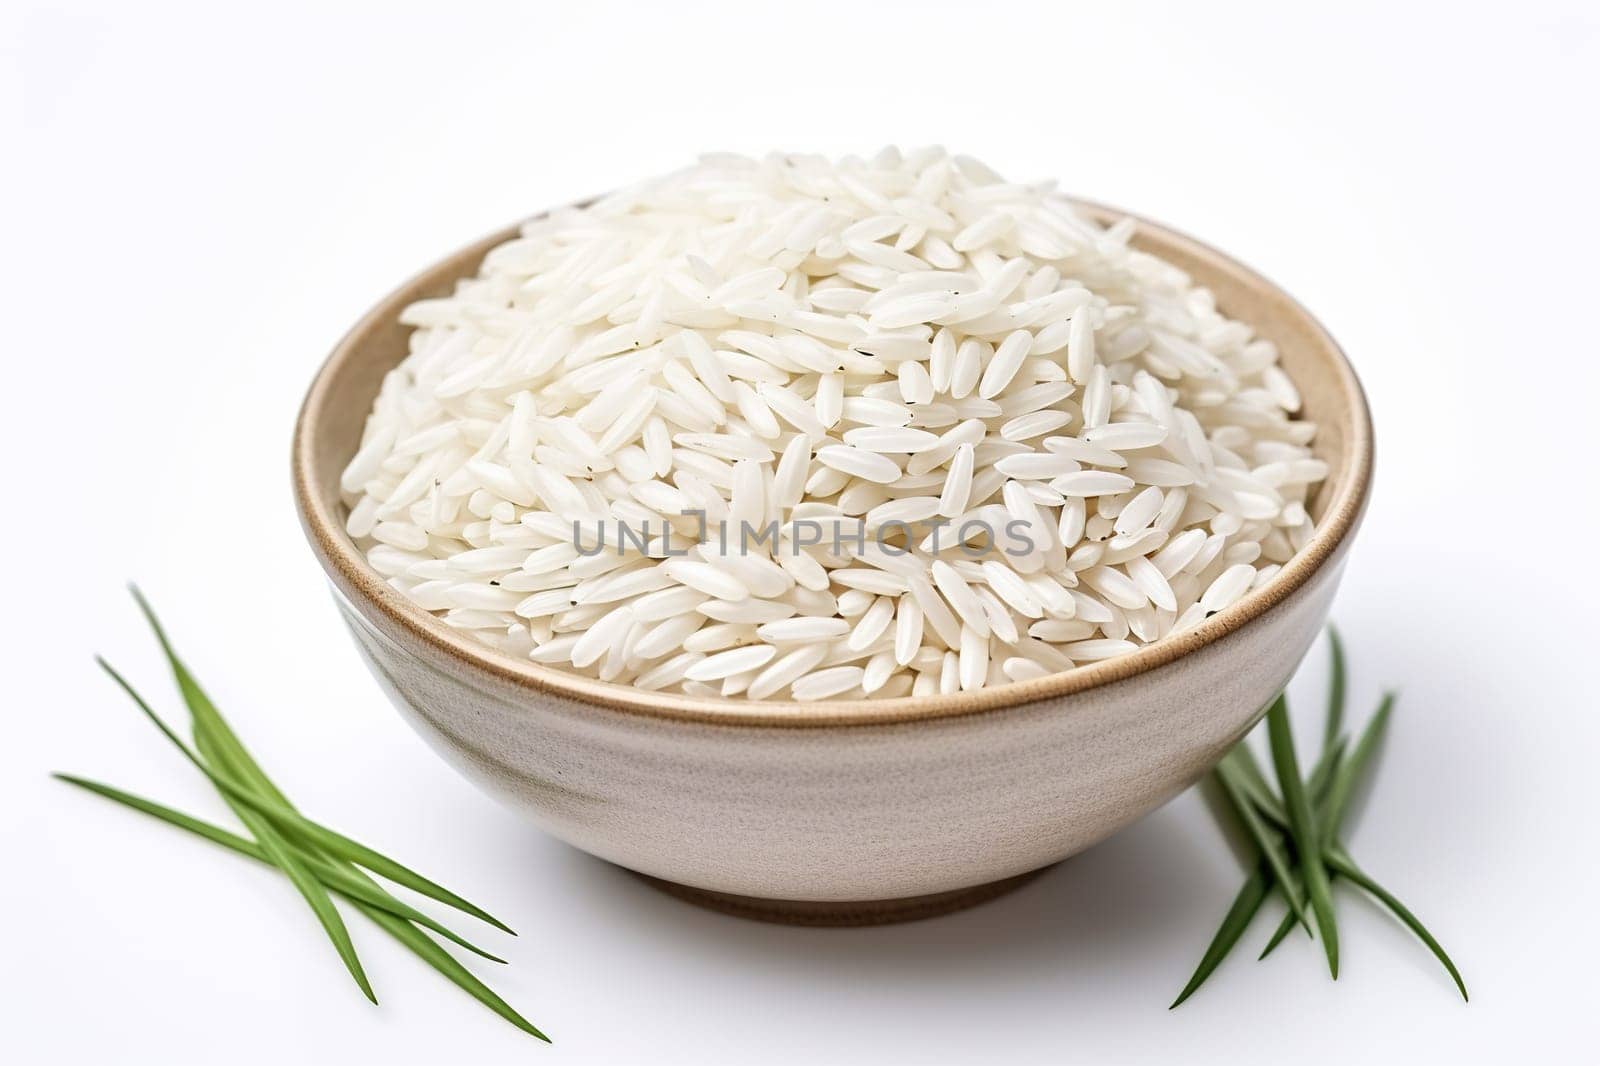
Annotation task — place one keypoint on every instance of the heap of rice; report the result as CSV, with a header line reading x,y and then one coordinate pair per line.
x,y
899,342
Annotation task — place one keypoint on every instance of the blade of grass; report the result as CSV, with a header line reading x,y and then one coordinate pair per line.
x,y
1261,794
1325,772
1317,785
279,851
215,834
1256,785
1351,771
332,876
1243,910
1284,926
284,857
1267,840
447,964
205,713
220,746
1336,677
1330,800
272,816
1303,828
269,801
1347,868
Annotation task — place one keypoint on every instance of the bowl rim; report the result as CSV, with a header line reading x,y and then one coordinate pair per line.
x,y
366,590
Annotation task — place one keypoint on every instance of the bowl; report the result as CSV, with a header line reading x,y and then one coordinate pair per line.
x,y
846,812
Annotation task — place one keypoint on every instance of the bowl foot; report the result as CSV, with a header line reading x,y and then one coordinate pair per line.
x,y
843,912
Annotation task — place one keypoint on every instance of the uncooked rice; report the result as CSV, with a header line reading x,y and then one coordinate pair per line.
x,y
906,339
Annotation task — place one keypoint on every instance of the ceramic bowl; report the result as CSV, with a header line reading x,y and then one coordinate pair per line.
x,y
844,812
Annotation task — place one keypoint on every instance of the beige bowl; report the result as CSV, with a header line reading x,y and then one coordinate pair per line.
x,y
843,812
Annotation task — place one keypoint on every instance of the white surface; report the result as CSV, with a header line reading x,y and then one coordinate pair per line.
x,y
198,204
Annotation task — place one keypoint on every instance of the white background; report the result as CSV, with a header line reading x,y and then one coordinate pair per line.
x,y
198,202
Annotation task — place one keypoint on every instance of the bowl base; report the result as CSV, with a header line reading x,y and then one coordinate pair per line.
x,y
843,912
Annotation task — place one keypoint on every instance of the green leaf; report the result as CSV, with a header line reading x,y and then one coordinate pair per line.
x,y
1350,772
1325,772
213,833
1278,935
1303,828
1266,839
335,877
343,847
1336,676
246,789
278,816
1256,786
1347,868
278,850
424,948
1234,923
233,756
1317,785
446,964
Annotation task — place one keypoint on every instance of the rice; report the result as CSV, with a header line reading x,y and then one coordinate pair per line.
x,y
977,437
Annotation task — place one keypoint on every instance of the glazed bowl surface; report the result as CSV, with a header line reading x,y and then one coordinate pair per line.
x,y
824,811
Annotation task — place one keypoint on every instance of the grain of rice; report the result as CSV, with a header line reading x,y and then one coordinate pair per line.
x,y
888,439
1228,587
826,683
858,462
872,624
1092,483
973,662
734,661
1140,511
718,637
749,611
879,669
907,630
1035,424
958,594
1018,668
957,490
703,577
1093,650
782,672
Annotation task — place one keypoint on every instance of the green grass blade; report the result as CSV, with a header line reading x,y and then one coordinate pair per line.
x,y
1267,840
1317,785
334,877
1336,677
205,714
343,847
283,817
349,880
1325,773
316,895
357,889
1261,794
269,801
213,833
1347,868
277,849
1255,784
1304,829
1351,771
1288,923
1245,905
447,965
